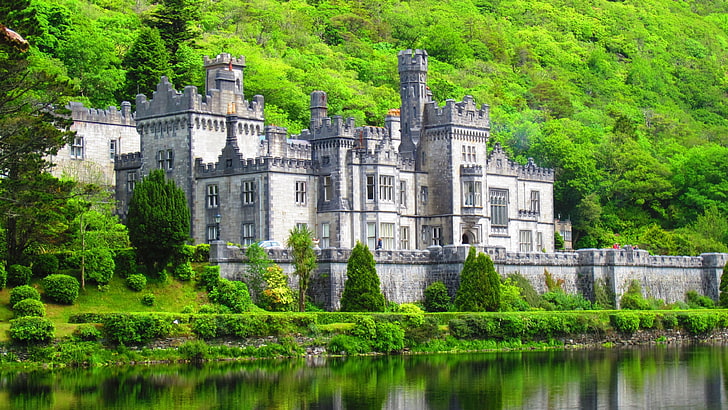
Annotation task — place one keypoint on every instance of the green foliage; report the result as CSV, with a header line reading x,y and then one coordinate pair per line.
x,y
300,240
625,322
698,324
632,299
45,264
184,271
603,295
158,220
201,253
210,277
31,329
479,284
389,338
510,297
23,292
553,285
29,307
436,298
19,275
347,344
135,329
146,61
136,282
277,296
195,351
697,301
528,293
87,332
125,263
559,300
723,288
3,276
148,299
232,294
362,292
256,269
99,265
61,288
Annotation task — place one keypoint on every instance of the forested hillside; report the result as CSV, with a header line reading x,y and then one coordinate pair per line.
x,y
625,99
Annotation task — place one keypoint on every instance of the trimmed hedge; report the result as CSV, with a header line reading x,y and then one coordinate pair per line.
x,y
135,329
136,282
31,330
23,292
61,288
29,307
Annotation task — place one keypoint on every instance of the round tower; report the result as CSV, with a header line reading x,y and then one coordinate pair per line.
x,y
319,109
413,94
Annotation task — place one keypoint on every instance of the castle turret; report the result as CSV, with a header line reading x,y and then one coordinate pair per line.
x,y
224,72
414,94
319,109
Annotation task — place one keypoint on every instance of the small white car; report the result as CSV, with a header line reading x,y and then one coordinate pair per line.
x,y
270,244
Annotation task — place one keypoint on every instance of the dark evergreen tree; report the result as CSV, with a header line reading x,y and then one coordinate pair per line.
x,y
300,241
158,220
436,298
175,20
723,287
479,284
146,61
362,292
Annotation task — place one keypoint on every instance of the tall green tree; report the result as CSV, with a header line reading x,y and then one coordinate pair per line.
x,y
146,61
479,289
256,268
362,292
158,220
300,240
176,21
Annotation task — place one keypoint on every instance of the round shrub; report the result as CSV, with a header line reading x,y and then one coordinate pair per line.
x,y
99,265
136,282
210,277
19,275
45,264
23,292
31,329
625,322
87,332
184,271
29,307
409,308
232,294
61,288
125,263
436,298
148,299
202,253
390,338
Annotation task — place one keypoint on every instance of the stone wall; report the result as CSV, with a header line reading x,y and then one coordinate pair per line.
x,y
404,275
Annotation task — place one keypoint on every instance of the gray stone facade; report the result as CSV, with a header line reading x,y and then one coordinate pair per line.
x,y
404,275
424,178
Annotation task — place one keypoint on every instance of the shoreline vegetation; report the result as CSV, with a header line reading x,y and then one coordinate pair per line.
x,y
161,338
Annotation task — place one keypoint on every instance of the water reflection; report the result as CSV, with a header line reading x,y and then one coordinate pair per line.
x,y
656,377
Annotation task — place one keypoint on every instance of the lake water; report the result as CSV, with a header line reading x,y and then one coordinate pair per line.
x,y
688,377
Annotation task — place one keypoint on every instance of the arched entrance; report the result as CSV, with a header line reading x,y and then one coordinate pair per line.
x,y
468,238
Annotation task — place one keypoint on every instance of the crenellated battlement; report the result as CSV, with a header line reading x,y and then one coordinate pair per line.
x,y
252,165
412,60
128,161
534,172
224,59
471,170
464,113
498,163
110,116
333,127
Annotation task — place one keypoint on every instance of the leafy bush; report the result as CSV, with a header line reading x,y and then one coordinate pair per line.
x,y
87,332
45,264
19,275
201,253
136,282
347,344
511,299
195,351
210,277
148,299
603,295
3,276
61,288
277,295
558,300
389,338
528,293
204,326
362,290
364,327
29,307
232,294
23,292
125,263
136,328
667,321
409,308
99,265
436,298
697,301
625,322
479,284
632,299
184,271
698,323
31,329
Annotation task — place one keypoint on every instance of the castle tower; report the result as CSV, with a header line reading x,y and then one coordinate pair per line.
x,y
319,109
224,73
413,93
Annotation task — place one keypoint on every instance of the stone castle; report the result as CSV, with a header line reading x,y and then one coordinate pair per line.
x,y
425,178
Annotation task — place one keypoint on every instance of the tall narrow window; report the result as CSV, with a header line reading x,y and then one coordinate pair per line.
x,y
387,235
403,193
371,235
300,193
535,202
248,192
212,232
539,241
436,236
499,207
423,195
170,159
112,149
325,235
404,237
386,188
77,148
248,233
131,178
471,193
160,159
525,243
213,199
370,187
328,190
465,158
